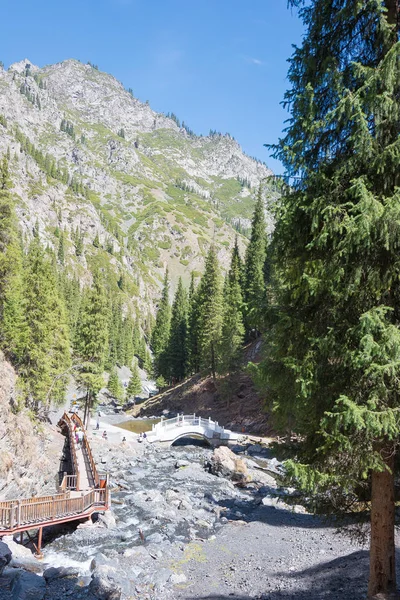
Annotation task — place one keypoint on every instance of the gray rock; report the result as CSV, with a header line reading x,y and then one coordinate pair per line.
x,y
28,586
178,578
5,556
155,538
104,589
254,449
59,573
108,520
99,560
181,463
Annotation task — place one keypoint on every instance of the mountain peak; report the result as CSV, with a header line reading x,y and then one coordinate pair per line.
x,y
21,66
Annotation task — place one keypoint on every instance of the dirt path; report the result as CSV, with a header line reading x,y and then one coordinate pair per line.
x,y
277,555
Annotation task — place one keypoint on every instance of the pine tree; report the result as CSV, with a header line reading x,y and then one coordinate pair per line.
x,y
177,344
193,330
79,244
253,270
160,336
333,354
115,386
91,341
12,309
135,383
61,251
47,351
232,325
210,313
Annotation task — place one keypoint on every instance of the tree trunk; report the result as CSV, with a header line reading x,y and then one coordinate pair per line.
x,y
89,408
393,11
382,574
213,361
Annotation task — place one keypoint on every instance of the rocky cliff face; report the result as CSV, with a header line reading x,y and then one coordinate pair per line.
x,y
89,159
29,452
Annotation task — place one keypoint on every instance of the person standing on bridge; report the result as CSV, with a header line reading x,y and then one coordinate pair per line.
x,y
80,437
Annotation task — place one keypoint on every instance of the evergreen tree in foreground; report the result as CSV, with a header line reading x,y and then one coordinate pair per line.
x,y
177,345
333,355
160,335
254,270
210,313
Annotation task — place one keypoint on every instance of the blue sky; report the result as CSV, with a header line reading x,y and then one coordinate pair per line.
x,y
217,64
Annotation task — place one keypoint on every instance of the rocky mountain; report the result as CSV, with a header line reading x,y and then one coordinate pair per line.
x,y
128,189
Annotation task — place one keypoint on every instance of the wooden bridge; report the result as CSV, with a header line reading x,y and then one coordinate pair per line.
x,y
191,426
79,495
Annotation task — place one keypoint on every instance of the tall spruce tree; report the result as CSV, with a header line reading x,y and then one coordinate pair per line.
x,y
177,345
334,352
46,354
210,313
160,335
232,324
193,329
115,386
135,383
91,341
254,270
12,306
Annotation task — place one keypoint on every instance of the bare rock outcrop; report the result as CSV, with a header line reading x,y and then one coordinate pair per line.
x,y
226,464
29,452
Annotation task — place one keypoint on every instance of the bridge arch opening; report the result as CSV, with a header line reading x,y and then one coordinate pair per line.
x,y
191,439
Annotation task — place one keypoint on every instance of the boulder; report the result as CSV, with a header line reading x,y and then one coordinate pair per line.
x,y
103,589
224,462
28,586
178,578
59,573
108,520
5,556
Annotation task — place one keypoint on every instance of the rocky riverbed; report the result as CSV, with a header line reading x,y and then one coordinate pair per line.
x,y
177,531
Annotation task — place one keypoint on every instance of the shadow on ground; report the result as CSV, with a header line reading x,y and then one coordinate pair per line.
x,y
342,578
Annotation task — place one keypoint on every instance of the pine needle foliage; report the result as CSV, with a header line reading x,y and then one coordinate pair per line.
x,y
334,349
209,306
161,331
177,345
253,270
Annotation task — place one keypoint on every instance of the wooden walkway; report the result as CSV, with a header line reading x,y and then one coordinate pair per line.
x,y
80,494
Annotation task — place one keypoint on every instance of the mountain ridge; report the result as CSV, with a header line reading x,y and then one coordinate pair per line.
x,y
153,193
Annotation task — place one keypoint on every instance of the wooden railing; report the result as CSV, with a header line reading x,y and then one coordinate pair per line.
x,y
78,422
71,437
15,514
45,510
68,482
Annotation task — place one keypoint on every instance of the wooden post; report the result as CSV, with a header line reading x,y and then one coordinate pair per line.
x,y
12,515
39,544
19,512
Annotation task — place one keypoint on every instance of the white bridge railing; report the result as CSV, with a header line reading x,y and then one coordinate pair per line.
x,y
186,420
168,430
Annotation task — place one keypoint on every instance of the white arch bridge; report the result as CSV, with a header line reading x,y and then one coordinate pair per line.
x,y
169,431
